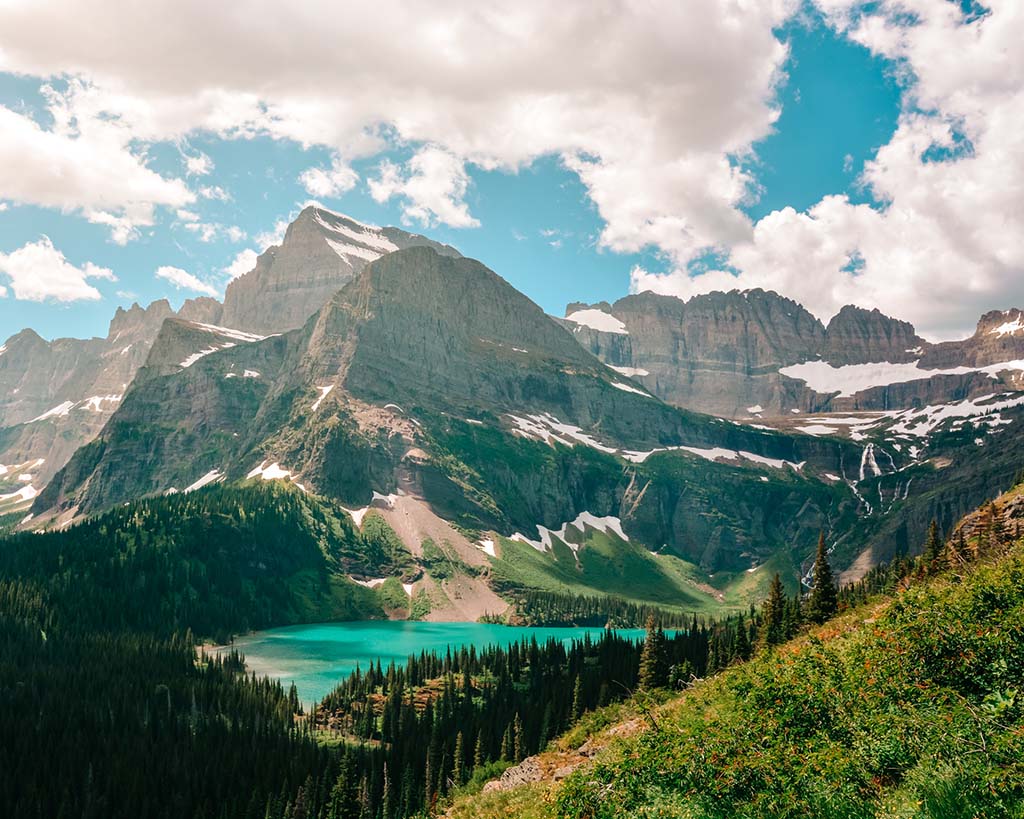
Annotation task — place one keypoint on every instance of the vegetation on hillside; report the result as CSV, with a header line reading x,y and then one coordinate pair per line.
x,y
218,561
910,706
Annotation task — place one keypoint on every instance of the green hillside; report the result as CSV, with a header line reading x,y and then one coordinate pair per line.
x,y
910,707
217,561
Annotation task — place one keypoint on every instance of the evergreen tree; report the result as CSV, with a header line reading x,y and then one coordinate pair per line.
x,y
652,659
577,699
741,644
823,601
932,546
458,769
775,613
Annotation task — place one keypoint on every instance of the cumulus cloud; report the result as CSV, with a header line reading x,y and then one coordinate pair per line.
x,y
242,264
198,165
945,244
184,280
82,163
432,188
38,271
674,93
329,182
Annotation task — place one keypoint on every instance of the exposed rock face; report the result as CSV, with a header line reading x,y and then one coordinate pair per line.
x,y
722,353
717,353
55,396
373,393
999,337
858,336
321,252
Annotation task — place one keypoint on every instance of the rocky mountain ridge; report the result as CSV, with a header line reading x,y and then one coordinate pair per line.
x,y
754,353
321,252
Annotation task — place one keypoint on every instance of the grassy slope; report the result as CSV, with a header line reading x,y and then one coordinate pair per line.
x,y
907,708
607,565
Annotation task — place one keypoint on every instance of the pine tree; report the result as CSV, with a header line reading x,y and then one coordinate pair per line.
x,y
932,546
775,613
577,699
741,645
517,739
652,658
823,601
479,757
459,771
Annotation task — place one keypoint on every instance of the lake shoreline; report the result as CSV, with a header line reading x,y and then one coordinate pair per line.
x,y
316,657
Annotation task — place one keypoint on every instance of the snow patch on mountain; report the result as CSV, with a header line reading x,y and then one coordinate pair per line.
x,y
486,545
630,372
368,236
372,583
357,515
546,427
95,402
269,473
598,320
1009,328
850,379
192,359
59,411
345,250
324,392
213,476
606,524
229,332
715,454
628,388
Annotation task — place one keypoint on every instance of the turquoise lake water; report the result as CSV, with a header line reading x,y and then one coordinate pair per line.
x,y
318,656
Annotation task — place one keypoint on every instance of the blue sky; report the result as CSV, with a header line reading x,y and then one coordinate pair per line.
x,y
540,224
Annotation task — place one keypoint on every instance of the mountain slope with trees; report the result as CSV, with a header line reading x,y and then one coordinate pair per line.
x,y
908,704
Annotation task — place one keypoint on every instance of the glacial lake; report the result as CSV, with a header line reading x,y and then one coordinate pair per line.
x,y
317,656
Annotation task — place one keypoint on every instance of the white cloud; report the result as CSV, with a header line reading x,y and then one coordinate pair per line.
x,y
182,279
38,271
198,165
330,182
3,207
242,263
946,245
214,192
433,188
82,163
651,119
274,236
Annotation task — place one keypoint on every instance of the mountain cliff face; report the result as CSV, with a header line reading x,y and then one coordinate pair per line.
x,y
753,353
55,396
428,380
321,251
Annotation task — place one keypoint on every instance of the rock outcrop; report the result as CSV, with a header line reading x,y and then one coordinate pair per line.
x,y
725,354
320,253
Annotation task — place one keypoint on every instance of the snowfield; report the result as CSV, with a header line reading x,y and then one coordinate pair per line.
x,y
598,320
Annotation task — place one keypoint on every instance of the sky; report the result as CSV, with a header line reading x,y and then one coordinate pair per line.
x,y
836,151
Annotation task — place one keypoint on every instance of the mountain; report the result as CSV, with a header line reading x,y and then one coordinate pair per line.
x,y
321,251
431,390
754,353
56,396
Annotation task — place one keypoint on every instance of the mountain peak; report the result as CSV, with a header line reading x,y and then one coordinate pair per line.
x,y
321,252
